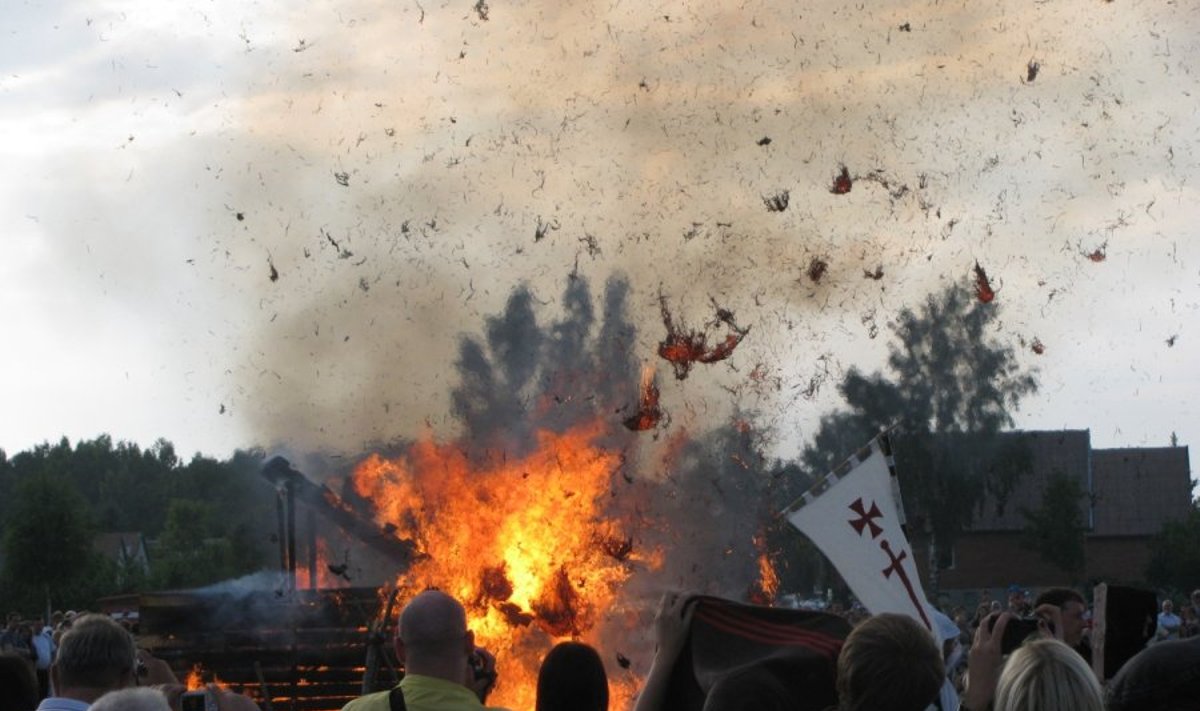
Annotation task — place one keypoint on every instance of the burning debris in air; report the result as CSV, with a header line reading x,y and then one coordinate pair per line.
x,y
649,412
842,182
983,287
683,348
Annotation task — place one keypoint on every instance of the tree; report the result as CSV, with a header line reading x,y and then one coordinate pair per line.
x,y
525,376
191,550
1055,529
950,387
47,544
1175,558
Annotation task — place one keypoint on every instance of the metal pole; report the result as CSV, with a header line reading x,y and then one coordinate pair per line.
x,y
291,535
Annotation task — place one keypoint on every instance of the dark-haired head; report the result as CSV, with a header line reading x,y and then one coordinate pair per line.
x,y
889,663
19,685
572,678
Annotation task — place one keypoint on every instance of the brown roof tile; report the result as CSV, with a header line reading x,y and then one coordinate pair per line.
x,y
1066,452
1136,490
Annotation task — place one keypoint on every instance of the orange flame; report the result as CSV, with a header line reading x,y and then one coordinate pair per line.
x,y
330,573
523,543
195,679
766,588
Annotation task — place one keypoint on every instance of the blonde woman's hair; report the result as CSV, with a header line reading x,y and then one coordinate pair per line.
x,y
1047,675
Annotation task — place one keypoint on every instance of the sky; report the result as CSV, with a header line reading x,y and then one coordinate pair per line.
x,y
235,224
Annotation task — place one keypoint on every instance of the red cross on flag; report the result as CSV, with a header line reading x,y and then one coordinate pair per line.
x,y
855,516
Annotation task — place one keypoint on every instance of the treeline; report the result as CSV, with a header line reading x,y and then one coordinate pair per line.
x,y
204,520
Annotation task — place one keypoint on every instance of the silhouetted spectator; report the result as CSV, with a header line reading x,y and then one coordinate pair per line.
x,y
18,685
572,678
756,688
444,670
1162,677
889,663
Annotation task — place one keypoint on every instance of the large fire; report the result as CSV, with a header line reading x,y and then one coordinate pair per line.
x,y
523,542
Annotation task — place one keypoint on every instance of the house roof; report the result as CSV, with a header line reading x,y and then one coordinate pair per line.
x,y
1065,452
118,545
1136,490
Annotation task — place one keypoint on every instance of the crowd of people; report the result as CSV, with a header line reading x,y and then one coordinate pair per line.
x,y
887,662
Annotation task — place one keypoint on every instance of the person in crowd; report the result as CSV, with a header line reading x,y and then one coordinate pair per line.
x,y
671,624
572,678
8,635
1044,674
43,647
947,633
1047,675
1168,622
1191,622
135,699
1066,609
889,663
444,670
18,638
1017,602
18,685
96,656
1162,677
755,688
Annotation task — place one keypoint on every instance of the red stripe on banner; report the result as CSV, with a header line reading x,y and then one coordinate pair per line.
x,y
728,620
813,641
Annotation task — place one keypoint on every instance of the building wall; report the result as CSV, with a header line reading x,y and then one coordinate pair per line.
x,y
1115,559
997,560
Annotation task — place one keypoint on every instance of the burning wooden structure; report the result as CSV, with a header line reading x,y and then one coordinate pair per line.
x,y
290,648
300,651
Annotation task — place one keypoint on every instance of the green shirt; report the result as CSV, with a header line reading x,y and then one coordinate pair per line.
x,y
423,693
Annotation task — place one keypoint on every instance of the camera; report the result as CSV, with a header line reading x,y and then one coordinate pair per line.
x,y
1017,631
198,701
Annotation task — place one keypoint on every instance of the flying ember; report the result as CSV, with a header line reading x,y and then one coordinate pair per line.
x,y
682,348
983,288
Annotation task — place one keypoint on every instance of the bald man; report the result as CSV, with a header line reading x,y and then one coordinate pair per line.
x,y
437,651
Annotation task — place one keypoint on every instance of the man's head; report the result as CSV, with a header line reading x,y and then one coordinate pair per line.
x,y
95,656
433,638
1016,598
1196,599
1168,606
138,699
889,663
1072,606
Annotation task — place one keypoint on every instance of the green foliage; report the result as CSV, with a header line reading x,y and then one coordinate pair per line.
x,y
47,543
1175,560
100,486
1055,530
524,376
948,391
190,552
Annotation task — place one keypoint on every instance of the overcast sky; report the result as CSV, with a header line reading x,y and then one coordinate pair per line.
x,y
391,162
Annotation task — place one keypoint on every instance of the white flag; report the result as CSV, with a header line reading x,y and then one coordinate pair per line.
x,y
854,515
